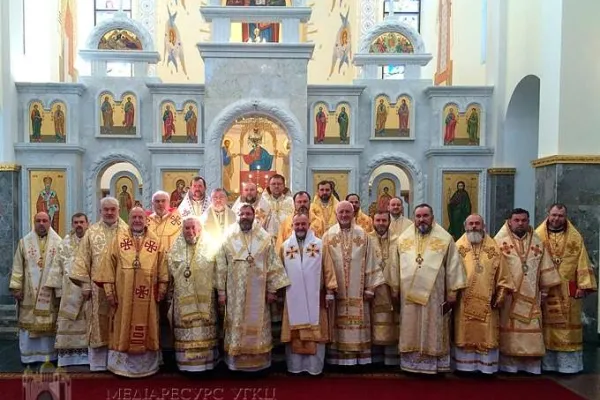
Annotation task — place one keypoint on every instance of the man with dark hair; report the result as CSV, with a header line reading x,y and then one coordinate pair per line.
x,y
360,218
195,202
324,204
427,278
563,339
532,271
301,201
280,202
399,223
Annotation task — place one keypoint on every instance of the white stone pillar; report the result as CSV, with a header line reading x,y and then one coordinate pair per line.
x,y
290,30
41,42
221,30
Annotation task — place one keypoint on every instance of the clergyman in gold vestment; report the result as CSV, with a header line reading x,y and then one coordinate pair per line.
x,y
533,273
399,222
71,325
37,305
301,202
249,274
89,257
134,277
324,204
564,340
427,277
476,334
360,218
352,254
191,263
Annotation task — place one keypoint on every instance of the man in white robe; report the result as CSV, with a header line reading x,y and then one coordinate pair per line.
x,y
37,305
217,218
280,203
399,222
195,201
305,326
259,204
71,333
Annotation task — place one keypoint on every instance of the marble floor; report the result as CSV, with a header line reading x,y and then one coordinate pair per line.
x,y
586,384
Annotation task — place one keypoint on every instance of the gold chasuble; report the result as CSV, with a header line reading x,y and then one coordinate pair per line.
x,y
286,229
31,267
134,270
429,274
247,268
167,227
532,271
399,225
280,209
569,255
325,212
88,259
216,224
476,316
352,254
71,332
364,221
192,267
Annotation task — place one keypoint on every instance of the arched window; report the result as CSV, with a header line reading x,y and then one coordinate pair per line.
x,y
106,9
407,11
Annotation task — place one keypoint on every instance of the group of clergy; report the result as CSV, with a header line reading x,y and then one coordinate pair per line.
x,y
278,277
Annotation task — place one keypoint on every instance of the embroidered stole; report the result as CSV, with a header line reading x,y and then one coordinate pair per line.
x,y
37,274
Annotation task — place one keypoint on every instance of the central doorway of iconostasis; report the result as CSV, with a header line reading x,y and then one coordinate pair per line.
x,y
254,148
123,181
388,181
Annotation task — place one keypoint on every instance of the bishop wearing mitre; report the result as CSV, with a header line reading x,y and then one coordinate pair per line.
x,y
249,274
385,317
191,264
351,253
477,314
71,324
37,308
90,253
305,328
564,349
521,337
134,277
427,278
217,218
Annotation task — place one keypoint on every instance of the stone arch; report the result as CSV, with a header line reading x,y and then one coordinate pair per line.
x,y
122,22
404,162
262,107
134,180
97,167
393,26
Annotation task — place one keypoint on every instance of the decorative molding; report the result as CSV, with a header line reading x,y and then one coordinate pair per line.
x,y
459,91
97,167
50,87
362,59
150,57
404,162
334,149
175,148
368,18
501,171
335,90
264,107
563,159
451,151
176,88
392,25
146,14
10,167
255,14
121,21
256,50
48,148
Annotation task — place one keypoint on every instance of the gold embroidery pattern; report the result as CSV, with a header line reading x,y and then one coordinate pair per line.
x,y
406,245
491,252
463,251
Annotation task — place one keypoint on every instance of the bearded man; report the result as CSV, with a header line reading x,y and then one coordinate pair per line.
x,y
92,249
280,203
427,277
324,205
36,303
249,274
191,264
565,245
399,222
134,277
477,312
352,254
360,218
301,205
305,326
71,333
260,206
195,201
532,270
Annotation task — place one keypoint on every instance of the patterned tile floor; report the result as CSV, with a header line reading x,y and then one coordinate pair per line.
x,y
586,384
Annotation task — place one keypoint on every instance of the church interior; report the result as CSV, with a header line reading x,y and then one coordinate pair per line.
x,y
432,101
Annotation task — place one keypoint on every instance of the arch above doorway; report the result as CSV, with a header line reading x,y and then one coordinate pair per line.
x,y
258,107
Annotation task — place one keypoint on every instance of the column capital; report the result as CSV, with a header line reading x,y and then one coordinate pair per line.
x,y
565,159
501,171
10,167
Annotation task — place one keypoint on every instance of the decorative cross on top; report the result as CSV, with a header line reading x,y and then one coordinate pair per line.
x,y
142,291
151,246
126,244
291,252
312,250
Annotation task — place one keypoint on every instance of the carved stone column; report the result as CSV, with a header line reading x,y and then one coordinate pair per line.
x,y
501,189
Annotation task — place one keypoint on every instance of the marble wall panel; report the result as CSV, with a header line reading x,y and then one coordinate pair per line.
x,y
501,195
9,228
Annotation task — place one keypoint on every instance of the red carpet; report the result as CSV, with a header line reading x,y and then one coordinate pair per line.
x,y
88,387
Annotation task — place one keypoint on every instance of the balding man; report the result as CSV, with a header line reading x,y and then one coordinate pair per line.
x,y
261,206
477,315
399,223
351,253
36,302
301,205
134,277
91,251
